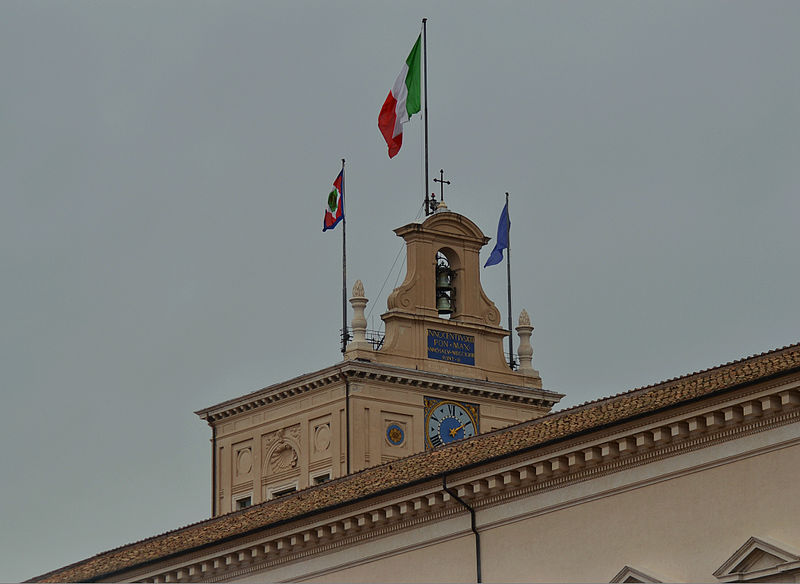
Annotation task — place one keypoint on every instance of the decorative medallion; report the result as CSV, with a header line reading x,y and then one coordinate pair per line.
x,y
244,462
395,435
322,437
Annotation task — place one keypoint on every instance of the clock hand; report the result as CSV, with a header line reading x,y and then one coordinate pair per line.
x,y
454,431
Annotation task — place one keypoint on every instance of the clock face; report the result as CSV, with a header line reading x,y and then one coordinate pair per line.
x,y
448,421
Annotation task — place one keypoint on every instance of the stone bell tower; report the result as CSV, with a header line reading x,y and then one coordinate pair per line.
x,y
468,340
439,376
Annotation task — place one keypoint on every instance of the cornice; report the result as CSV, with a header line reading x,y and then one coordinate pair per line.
x,y
380,372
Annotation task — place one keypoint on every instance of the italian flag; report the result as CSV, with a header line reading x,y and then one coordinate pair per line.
x,y
403,100
334,209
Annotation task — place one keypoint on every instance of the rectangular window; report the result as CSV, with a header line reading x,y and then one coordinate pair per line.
x,y
321,478
243,502
283,492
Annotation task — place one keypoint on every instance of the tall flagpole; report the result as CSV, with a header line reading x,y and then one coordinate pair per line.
x,y
425,77
345,336
508,272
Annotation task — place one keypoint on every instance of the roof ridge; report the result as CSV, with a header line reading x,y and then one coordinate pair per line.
x,y
682,377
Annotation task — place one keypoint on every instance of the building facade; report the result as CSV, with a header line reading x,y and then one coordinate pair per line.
x,y
429,459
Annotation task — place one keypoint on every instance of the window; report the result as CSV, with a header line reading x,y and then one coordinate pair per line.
x,y
242,502
321,478
283,491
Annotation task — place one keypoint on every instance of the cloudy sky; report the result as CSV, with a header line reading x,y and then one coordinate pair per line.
x,y
164,167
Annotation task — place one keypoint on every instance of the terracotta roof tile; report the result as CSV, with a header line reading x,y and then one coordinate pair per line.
x,y
427,465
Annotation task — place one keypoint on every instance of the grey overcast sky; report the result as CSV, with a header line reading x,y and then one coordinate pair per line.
x,y
164,167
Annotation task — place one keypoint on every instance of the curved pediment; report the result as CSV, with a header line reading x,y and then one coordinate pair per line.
x,y
449,222
446,223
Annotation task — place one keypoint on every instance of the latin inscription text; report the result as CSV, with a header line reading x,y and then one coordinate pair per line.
x,y
453,347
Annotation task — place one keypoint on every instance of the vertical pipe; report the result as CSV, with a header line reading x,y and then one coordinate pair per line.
x,y
347,419
213,470
473,526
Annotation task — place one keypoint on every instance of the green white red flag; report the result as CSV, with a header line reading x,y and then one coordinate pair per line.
x,y
403,101
334,209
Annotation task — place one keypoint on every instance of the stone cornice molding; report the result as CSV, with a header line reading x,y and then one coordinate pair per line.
x,y
482,487
356,370
673,416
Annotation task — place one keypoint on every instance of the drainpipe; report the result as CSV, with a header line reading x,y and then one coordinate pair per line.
x,y
213,470
453,494
347,417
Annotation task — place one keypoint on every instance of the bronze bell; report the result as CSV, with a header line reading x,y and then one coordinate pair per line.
x,y
444,288
442,278
443,303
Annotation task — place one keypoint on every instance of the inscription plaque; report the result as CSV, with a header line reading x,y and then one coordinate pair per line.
x,y
453,347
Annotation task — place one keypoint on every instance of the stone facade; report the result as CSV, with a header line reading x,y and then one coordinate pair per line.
x,y
347,475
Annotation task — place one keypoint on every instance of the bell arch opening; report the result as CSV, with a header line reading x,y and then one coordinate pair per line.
x,y
447,266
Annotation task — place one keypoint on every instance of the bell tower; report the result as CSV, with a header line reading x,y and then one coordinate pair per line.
x,y
439,376
440,319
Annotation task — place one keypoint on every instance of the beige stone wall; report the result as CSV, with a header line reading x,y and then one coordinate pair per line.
x,y
449,561
680,529
287,444
290,442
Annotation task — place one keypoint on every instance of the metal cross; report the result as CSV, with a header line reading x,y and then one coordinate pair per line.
x,y
441,182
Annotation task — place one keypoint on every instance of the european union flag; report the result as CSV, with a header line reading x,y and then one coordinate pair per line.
x,y
502,239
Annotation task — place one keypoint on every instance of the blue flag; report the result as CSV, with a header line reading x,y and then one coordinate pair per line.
x,y
502,239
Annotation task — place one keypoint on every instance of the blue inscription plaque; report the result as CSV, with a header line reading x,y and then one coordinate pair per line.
x,y
453,347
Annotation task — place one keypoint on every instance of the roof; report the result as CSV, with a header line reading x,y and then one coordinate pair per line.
x,y
425,466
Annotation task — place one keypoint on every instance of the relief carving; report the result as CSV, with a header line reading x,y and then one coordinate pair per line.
x,y
281,447
322,438
283,457
398,299
244,462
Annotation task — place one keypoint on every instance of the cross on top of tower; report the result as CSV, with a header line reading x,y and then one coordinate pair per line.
x,y
441,182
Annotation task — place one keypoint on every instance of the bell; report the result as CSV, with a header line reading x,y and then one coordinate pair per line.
x,y
442,279
443,304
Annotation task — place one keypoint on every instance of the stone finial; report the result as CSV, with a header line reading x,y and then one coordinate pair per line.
x,y
359,342
525,351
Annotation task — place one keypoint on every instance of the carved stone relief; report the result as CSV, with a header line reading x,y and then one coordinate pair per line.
x,y
322,438
242,460
281,447
282,458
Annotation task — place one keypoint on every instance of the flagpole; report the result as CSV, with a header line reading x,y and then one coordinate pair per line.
x,y
425,82
345,336
508,273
